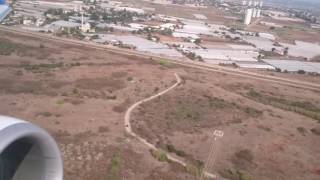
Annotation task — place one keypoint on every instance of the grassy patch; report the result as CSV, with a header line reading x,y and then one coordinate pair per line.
x,y
42,67
60,102
252,112
218,103
193,170
45,114
114,97
165,63
159,155
7,47
114,170
195,112
301,107
243,159
215,102
234,174
186,112
264,128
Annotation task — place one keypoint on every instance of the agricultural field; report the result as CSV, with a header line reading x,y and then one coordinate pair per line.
x,y
80,96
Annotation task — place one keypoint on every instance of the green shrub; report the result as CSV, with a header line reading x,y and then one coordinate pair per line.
x,y
115,167
163,63
114,97
234,174
159,155
172,149
193,170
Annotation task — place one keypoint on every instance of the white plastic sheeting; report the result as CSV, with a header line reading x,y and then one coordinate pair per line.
x,y
293,65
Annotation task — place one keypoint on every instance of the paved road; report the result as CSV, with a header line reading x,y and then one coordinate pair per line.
x,y
144,141
191,64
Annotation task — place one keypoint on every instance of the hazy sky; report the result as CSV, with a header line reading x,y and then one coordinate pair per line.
x,y
297,3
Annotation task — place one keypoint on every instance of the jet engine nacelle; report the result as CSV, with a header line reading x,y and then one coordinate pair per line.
x,y
27,152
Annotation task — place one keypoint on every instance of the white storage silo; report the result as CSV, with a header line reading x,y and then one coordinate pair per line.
x,y
247,19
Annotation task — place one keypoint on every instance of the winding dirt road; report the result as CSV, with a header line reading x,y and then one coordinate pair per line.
x,y
128,127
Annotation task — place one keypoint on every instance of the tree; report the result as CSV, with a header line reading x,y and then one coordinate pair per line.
x,y
286,51
94,16
197,41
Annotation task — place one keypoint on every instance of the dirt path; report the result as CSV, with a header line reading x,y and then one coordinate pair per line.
x,y
145,142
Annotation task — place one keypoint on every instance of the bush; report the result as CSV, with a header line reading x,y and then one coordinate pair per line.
x,y
302,131
301,72
234,174
243,159
252,112
46,114
112,97
253,93
245,154
172,149
159,155
193,170
103,129
315,131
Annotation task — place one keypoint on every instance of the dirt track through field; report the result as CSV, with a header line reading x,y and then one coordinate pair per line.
x,y
144,141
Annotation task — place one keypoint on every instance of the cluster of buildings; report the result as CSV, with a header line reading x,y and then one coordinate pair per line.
x,y
252,9
138,28
4,9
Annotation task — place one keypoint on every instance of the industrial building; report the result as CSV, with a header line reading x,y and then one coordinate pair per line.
x,y
4,9
252,10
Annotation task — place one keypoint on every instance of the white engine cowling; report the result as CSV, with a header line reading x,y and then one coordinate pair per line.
x,y
27,152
